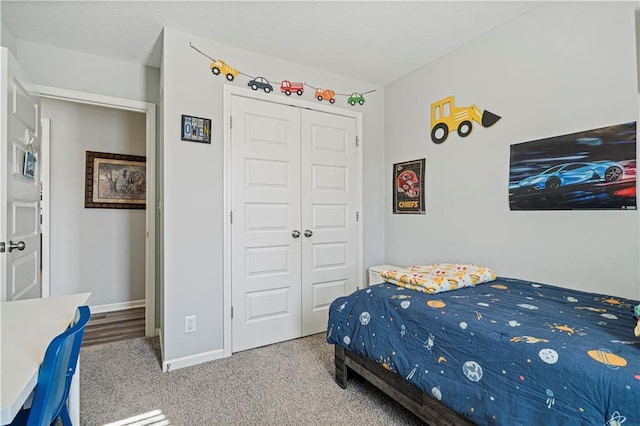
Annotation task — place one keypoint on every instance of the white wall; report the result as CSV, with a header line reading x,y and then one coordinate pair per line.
x,y
101,251
558,69
8,39
67,69
193,180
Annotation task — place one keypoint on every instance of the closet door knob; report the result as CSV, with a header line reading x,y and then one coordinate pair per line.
x,y
16,246
308,233
295,234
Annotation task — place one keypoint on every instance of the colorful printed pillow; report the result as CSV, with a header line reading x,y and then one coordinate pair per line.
x,y
439,277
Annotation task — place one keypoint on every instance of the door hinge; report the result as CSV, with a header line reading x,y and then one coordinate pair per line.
x,y
230,217
230,122
232,312
357,140
357,216
1,247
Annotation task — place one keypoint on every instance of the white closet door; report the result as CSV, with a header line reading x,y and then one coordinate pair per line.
x,y
265,202
329,196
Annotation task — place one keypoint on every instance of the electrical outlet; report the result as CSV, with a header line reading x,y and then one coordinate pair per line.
x,y
190,324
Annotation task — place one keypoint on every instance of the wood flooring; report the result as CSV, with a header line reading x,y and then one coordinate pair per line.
x,y
113,326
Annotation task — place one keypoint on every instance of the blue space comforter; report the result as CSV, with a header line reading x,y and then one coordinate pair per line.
x,y
508,352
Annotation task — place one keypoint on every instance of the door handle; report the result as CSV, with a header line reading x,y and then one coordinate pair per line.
x,y
19,245
308,233
295,233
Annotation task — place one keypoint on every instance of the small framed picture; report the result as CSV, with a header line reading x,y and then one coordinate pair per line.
x,y
196,129
30,165
408,187
115,181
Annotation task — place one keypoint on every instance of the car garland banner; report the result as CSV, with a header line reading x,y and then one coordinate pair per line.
x,y
593,169
219,67
408,187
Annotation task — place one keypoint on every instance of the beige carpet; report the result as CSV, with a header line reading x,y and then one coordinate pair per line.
x,y
289,383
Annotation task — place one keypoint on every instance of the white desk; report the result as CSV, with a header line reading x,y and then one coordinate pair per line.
x,y
28,326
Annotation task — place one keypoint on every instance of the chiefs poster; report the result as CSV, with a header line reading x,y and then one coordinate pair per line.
x,y
408,187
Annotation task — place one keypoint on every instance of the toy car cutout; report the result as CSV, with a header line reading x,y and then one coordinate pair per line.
x,y
260,83
356,98
221,67
566,174
325,94
287,87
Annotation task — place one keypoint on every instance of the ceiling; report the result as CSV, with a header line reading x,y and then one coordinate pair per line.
x,y
373,41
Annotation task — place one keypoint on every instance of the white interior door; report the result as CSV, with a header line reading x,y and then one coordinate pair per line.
x,y
19,195
329,198
265,207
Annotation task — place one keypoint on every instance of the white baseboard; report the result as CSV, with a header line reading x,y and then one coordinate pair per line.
x,y
159,333
187,361
96,309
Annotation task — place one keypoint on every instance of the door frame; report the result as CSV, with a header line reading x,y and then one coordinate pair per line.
x,y
149,109
45,145
228,92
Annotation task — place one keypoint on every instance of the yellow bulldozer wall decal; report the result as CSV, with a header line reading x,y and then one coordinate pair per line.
x,y
447,117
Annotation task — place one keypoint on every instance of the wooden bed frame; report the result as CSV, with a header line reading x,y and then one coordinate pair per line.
x,y
427,408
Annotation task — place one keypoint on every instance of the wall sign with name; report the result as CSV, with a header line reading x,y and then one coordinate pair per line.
x,y
196,129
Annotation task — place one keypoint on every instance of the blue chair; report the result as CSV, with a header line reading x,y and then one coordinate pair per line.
x,y
54,379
